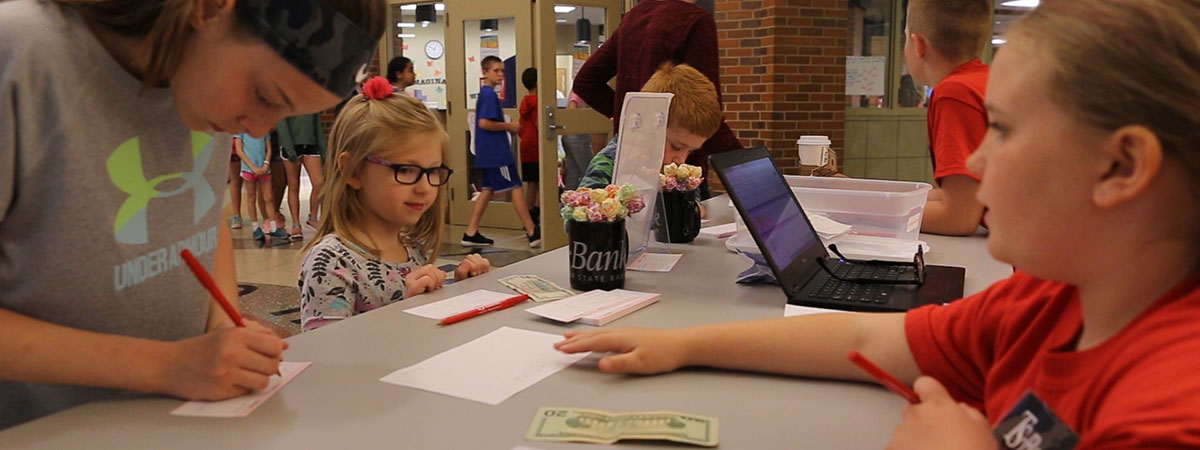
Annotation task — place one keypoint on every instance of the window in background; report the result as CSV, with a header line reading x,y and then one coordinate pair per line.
x,y
867,63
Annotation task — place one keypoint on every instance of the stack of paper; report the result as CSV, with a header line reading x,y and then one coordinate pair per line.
x,y
596,307
719,231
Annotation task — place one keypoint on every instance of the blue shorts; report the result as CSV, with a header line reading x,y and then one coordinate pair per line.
x,y
501,179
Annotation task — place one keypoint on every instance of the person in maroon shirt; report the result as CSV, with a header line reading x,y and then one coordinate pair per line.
x,y
651,33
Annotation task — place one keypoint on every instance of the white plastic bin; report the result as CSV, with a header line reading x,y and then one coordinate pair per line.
x,y
871,207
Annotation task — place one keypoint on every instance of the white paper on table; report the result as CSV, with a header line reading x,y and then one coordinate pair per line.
x,y
442,309
719,231
572,308
489,369
244,405
654,262
797,310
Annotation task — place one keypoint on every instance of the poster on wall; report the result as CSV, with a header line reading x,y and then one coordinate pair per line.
x,y
579,56
489,45
865,75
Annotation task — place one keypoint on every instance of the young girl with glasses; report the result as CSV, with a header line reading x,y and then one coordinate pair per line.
x,y
386,205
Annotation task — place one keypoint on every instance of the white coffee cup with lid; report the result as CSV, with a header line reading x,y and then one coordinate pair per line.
x,y
814,150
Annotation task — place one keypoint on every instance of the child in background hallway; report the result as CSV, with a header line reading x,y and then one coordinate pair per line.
x,y
529,141
943,42
255,154
494,155
235,188
386,208
302,138
1095,197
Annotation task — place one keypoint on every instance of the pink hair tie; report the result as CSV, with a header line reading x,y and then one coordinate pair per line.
x,y
377,88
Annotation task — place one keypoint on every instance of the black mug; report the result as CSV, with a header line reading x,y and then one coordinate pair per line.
x,y
677,218
597,251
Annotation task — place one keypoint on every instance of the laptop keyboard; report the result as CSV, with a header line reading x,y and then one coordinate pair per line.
x,y
845,291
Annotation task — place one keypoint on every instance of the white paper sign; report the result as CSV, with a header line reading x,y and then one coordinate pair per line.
x,y
865,75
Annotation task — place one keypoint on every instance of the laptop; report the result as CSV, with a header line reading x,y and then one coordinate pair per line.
x,y
796,254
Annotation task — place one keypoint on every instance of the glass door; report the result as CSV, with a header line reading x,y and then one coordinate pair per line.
x,y
569,131
476,30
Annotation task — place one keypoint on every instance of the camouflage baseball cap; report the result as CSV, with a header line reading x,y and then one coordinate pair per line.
x,y
319,41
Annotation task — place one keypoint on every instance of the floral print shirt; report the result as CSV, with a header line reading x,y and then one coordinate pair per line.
x,y
339,279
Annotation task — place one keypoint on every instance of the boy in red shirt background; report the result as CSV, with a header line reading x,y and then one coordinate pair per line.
x,y
943,41
528,137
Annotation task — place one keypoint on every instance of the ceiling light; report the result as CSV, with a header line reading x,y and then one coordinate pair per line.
x,y
408,7
998,40
405,35
405,25
563,9
1021,3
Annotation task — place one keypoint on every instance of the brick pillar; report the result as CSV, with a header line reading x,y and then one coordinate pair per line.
x,y
783,72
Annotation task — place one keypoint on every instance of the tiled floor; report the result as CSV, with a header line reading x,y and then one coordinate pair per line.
x,y
267,274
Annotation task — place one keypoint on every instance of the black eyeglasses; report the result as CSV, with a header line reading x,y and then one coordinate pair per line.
x,y
855,274
411,173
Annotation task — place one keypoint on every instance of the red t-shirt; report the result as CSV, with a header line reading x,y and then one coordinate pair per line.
x,y
1138,389
957,119
529,128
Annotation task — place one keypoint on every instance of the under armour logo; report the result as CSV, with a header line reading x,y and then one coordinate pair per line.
x,y
125,170
362,74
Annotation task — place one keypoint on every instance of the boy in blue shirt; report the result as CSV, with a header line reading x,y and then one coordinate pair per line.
x,y
494,155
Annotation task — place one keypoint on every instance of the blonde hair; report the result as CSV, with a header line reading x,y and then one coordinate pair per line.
x,y
1116,63
958,29
695,107
164,24
367,128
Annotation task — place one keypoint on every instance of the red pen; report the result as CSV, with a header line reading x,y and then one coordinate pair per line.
x,y
886,379
211,285
506,303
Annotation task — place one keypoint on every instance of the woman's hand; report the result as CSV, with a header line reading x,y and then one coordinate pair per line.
x,y
223,363
426,278
642,350
471,266
940,422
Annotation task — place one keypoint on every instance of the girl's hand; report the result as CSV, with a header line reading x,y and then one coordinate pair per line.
x,y
471,266
426,278
223,363
642,350
940,422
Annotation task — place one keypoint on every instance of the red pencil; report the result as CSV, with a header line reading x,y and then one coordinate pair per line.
x,y
211,285
506,303
886,379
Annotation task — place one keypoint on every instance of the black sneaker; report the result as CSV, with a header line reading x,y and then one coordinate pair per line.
x,y
476,240
535,239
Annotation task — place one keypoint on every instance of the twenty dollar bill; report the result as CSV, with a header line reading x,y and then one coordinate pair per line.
x,y
539,289
601,427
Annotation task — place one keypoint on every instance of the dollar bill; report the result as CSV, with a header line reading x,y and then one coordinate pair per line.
x,y
538,288
602,427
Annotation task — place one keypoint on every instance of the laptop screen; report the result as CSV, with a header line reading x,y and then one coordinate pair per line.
x,y
774,217
769,204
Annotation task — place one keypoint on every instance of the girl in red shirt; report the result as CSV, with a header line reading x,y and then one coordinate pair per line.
x,y
1091,177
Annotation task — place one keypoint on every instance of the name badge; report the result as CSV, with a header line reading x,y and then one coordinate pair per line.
x,y
1031,425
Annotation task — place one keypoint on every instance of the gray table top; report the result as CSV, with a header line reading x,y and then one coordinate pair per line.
x,y
339,401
